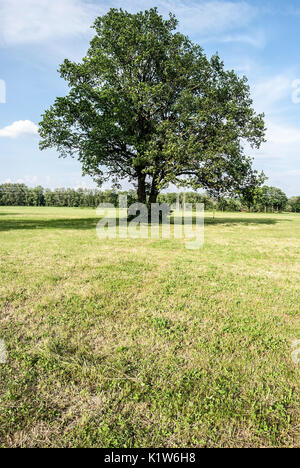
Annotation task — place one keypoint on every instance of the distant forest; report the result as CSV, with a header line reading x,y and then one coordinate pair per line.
x,y
266,199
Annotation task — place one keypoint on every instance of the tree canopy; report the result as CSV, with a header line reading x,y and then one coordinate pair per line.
x,y
145,104
271,197
294,204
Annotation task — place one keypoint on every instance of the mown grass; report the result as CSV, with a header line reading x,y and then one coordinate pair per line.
x,y
143,343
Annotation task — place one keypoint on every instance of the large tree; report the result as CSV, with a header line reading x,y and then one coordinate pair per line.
x,y
147,105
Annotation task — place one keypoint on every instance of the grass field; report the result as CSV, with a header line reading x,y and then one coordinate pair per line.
x,y
143,343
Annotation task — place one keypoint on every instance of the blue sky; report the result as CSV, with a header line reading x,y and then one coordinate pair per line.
x,y
257,38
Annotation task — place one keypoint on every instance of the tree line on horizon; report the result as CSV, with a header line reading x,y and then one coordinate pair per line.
x,y
265,199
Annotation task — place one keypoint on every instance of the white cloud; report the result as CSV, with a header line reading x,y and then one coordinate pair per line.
x,y
21,127
34,21
279,156
30,21
204,17
257,39
269,91
282,143
283,135
293,172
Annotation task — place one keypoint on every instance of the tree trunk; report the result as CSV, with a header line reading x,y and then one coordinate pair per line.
x,y
154,193
141,192
153,198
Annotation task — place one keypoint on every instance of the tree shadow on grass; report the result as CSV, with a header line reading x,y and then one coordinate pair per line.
x,y
245,221
91,223
3,213
61,223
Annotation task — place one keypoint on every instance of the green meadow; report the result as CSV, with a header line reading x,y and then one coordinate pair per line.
x,y
144,343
